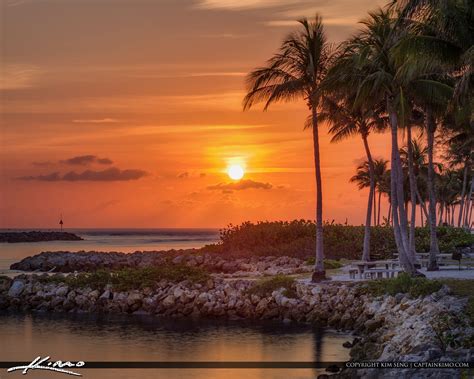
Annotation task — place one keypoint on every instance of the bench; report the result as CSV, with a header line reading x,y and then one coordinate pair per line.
x,y
374,273
353,272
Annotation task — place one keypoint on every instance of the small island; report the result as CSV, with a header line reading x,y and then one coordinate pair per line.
x,y
37,236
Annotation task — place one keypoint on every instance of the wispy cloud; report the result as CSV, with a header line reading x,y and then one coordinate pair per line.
x,y
241,4
18,76
109,175
96,121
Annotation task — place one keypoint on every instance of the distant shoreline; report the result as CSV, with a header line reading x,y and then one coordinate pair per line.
x,y
37,236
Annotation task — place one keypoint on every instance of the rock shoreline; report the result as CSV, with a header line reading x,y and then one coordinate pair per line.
x,y
64,261
37,236
391,328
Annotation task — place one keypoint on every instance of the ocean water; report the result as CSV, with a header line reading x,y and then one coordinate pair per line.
x,y
101,338
121,240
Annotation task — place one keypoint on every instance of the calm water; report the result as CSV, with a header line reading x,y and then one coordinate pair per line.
x,y
122,240
88,338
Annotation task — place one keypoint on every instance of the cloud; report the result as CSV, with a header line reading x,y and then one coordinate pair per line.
x,y
96,121
241,4
240,186
42,163
83,160
109,175
19,76
183,175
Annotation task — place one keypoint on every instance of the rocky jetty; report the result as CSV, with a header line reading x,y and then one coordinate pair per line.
x,y
38,236
227,267
390,328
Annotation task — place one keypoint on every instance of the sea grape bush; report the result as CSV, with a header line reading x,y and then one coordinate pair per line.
x,y
297,239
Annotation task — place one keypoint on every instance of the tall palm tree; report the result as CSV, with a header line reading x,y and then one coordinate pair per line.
x,y
407,155
369,65
295,72
346,121
443,36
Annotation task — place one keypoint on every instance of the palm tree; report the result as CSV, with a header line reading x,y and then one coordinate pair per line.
x,y
368,64
345,122
460,153
443,36
380,168
447,192
408,155
295,72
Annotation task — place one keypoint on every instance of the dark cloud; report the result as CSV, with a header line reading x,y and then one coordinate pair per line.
x,y
109,175
42,164
241,185
83,160
183,175
104,161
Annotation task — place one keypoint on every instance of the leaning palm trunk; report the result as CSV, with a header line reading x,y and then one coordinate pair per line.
x,y
378,210
389,213
319,272
398,210
366,247
412,179
422,202
469,205
441,212
463,194
434,248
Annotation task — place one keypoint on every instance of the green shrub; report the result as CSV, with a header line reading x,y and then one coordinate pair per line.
x,y
265,287
403,283
328,263
131,278
297,239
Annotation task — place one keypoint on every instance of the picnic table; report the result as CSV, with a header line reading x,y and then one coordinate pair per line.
x,y
444,259
374,268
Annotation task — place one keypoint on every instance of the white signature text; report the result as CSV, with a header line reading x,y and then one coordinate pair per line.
x,y
43,364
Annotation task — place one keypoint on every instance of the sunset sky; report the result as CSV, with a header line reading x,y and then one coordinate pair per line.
x,y
126,113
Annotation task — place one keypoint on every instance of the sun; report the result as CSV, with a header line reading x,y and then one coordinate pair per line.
x,y
235,172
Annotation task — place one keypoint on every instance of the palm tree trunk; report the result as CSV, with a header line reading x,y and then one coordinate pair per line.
x,y
389,213
398,210
452,214
422,222
441,211
319,273
469,204
469,222
434,248
412,180
378,214
422,203
375,206
366,246
463,194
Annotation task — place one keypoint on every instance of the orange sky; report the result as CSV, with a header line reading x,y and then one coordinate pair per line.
x,y
150,92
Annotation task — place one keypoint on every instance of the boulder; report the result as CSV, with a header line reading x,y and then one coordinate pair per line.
x,y
16,288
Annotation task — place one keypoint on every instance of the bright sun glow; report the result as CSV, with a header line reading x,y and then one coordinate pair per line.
x,y
235,172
